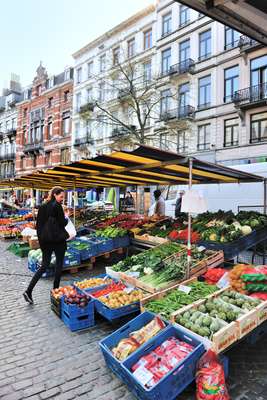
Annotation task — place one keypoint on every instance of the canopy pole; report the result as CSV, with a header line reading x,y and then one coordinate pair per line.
x,y
189,224
74,204
265,196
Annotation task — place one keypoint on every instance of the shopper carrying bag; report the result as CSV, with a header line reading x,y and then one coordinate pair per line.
x,y
52,236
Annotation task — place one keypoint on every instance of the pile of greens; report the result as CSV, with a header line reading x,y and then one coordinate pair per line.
x,y
177,299
110,232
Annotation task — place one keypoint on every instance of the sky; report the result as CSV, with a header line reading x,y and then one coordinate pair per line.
x,y
52,30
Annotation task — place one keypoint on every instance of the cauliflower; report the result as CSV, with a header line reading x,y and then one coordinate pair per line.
x,y
148,271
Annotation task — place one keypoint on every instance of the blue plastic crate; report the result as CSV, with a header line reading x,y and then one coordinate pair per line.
x,y
92,289
172,384
121,242
105,245
112,314
77,318
107,344
225,362
71,259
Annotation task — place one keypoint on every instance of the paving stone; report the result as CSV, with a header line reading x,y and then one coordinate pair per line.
x,y
22,384
50,394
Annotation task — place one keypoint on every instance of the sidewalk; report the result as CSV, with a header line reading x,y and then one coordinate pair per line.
x,y
41,359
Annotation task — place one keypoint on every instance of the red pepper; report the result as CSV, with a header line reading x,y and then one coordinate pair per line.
x,y
113,287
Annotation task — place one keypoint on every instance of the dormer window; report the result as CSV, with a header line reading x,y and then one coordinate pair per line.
x,y
38,90
67,74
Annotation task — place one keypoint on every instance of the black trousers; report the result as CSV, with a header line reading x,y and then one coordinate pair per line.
x,y
59,250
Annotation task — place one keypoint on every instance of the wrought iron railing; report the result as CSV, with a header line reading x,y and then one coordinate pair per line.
x,y
247,41
251,94
36,146
186,66
178,113
83,140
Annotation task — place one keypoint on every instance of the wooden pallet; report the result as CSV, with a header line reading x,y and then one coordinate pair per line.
x,y
89,264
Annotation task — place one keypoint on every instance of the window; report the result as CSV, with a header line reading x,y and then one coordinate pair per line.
x,y
204,92
147,71
7,125
24,112
184,50
67,74
258,129
116,54
102,63
203,139
131,48
89,94
65,156
204,45
148,39
165,61
48,158
184,15
165,101
79,75
182,142
147,113
77,129
231,132
49,104
38,90
13,124
49,128
78,101
231,77
88,127
1,127
66,95
231,38
102,92
90,69
24,138
66,123
183,98
166,24
258,78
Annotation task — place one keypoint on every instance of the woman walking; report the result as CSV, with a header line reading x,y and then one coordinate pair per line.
x,y
52,237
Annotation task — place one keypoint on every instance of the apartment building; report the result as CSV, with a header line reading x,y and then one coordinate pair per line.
x,y
211,82
8,127
44,122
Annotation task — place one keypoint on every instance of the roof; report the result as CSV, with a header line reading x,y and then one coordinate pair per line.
x,y
144,166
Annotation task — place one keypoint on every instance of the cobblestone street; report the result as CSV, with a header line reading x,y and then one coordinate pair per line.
x,y
41,359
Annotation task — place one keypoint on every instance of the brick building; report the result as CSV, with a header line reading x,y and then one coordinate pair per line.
x,y
44,122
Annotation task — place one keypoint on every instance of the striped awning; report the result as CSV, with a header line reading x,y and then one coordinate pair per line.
x,y
144,166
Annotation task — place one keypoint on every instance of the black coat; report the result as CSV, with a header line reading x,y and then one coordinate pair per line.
x,y
54,209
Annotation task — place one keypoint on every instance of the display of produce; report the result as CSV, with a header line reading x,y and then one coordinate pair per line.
x,y
235,278
58,293
113,287
183,235
162,360
226,226
128,345
213,275
93,282
111,232
73,297
176,298
121,298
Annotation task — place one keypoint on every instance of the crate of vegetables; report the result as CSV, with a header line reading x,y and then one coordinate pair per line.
x,y
77,311
170,300
117,300
165,366
96,282
127,339
55,298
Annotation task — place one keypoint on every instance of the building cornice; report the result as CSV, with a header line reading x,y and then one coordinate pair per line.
x,y
122,26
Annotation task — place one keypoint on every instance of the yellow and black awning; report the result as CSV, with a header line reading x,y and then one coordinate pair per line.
x,y
143,166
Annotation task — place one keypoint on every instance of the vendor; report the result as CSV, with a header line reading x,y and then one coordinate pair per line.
x,y
159,210
178,204
128,200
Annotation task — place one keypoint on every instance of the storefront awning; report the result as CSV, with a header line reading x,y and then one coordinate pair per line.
x,y
144,166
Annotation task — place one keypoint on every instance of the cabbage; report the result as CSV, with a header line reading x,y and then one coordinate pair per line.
x,y
246,230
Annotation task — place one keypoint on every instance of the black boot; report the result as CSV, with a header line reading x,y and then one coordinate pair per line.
x,y
28,297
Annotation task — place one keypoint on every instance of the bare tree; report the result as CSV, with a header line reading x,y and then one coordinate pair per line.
x,y
128,100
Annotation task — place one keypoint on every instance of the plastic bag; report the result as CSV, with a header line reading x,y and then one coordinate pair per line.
x,y
70,228
210,378
255,274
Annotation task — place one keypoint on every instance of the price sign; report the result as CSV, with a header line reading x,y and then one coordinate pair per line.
x,y
185,289
143,375
224,281
128,289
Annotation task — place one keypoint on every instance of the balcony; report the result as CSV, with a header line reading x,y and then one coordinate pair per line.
x,y
121,131
182,113
11,132
88,107
83,141
35,147
184,67
247,44
7,175
8,156
251,97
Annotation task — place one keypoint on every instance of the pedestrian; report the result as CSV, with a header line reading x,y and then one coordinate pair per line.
x,y
52,237
128,201
159,210
178,204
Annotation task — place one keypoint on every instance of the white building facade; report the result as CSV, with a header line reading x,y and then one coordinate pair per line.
x,y
8,128
212,84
